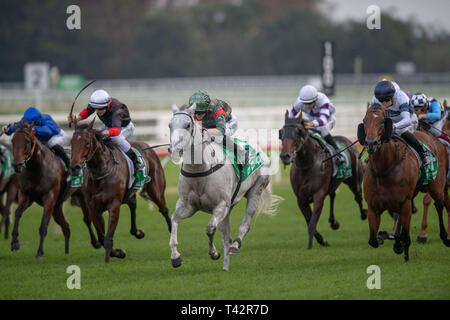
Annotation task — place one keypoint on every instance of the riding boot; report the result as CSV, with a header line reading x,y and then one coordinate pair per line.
x,y
136,163
412,140
330,140
59,151
240,153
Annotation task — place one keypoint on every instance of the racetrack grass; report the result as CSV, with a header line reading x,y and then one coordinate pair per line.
x,y
273,264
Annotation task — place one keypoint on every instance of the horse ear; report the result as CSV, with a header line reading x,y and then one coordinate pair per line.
x,y
175,108
192,108
300,117
368,105
286,115
445,103
91,125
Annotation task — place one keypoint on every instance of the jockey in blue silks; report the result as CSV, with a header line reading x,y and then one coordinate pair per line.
x,y
47,131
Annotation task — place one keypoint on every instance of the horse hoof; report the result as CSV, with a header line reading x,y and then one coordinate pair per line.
x,y
233,250
420,239
96,245
398,249
139,234
15,246
335,225
374,243
119,253
325,244
215,255
364,214
177,262
446,242
38,256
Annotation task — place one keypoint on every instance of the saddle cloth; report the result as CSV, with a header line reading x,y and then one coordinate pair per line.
x,y
343,170
256,158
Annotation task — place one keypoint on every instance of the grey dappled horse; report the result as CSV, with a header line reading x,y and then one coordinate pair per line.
x,y
210,185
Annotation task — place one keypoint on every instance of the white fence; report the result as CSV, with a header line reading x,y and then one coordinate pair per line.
x,y
152,126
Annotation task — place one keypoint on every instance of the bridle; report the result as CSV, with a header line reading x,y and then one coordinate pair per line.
x,y
33,138
91,154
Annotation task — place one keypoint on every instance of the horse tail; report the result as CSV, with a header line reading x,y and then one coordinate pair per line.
x,y
268,202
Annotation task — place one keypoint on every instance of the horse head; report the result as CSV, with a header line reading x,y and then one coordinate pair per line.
x,y
375,129
183,129
83,144
292,136
24,142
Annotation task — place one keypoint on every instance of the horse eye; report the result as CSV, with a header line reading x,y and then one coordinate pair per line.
x,y
188,125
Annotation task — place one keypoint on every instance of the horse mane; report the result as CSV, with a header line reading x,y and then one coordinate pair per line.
x,y
98,135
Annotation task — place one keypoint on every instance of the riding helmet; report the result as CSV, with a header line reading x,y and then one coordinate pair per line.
x,y
99,99
201,99
308,94
384,89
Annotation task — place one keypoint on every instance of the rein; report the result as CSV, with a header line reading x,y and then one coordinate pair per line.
x,y
91,155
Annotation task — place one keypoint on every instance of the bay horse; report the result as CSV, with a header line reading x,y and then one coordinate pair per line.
x,y
8,186
391,178
107,183
312,179
423,236
42,179
212,185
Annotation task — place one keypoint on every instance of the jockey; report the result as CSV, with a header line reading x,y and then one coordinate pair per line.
x,y
215,115
319,113
432,114
400,112
47,131
116,122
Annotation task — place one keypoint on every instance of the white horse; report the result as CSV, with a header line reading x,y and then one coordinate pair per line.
x,y
210,185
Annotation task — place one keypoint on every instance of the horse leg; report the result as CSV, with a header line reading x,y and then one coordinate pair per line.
x,y
139,234
423,236
182,211
24,203
445,237
374,224
113,219
333,223
307,213
219,213
253,198
405,218
10,197
397,247
224,228
318,199
157,196
58,216
49,208
87,221
355,187
4,214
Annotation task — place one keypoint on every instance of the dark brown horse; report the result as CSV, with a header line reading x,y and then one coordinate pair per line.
x,y
8,186
312,179
107,183
391,178
423,236
42,179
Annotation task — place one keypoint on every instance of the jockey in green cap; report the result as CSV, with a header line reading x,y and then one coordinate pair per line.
x,y
215,116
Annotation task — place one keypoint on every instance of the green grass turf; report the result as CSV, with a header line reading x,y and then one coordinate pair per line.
x,y
273,264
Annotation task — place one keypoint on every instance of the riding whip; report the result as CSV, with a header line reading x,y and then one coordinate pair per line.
x,y
157,146
73,104
339,152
